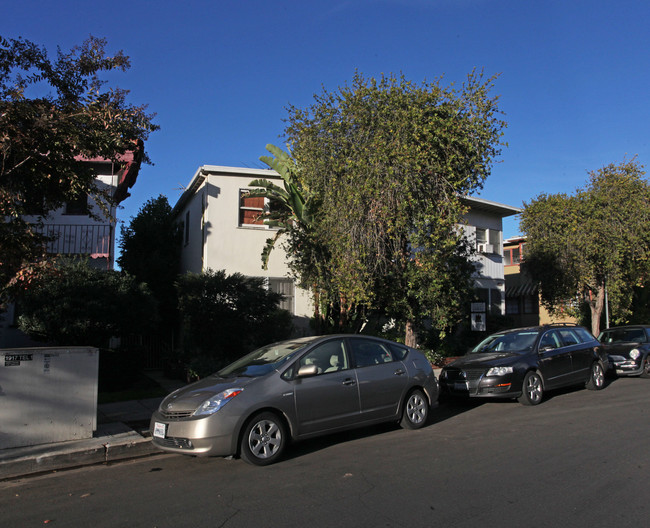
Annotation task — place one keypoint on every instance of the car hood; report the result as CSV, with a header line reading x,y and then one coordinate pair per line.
x,y
620,349
188,398
484,360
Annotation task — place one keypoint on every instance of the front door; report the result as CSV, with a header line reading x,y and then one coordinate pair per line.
x,y
554,360
329,399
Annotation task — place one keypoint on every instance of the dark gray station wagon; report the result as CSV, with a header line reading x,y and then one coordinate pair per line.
x,y
525,362
296,389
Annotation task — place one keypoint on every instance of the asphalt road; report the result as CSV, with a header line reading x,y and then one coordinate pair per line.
x,y
578,459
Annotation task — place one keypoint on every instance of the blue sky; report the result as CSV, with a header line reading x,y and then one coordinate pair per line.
x,y
573,85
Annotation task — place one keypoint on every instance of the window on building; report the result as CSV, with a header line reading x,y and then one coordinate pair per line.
x,y
250,209
78,206
531,304
286,288
512,305
488,240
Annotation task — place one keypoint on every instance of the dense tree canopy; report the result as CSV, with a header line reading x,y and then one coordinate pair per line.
x,y
53,114
581,246
385,163
150,251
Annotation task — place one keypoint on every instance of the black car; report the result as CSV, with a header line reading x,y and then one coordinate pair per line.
x,y
525,362
628,348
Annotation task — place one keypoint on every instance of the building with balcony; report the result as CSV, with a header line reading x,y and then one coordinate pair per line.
x,y
83,228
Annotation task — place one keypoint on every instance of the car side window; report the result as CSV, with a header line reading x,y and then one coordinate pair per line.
x,y
328,357
367,353
584,335
569,337
550,340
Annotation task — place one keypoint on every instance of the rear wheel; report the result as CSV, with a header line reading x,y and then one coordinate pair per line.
x,y
597,377
416,410
532,390
264,439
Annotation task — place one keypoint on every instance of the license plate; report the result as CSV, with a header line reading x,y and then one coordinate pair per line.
x,y
461,386
159,430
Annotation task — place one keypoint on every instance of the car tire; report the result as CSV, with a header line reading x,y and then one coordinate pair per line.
x,y
596,379
645,373
263,440
416,410
532,389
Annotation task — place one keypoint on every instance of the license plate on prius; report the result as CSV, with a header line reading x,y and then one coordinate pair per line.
x,y
461,386
159,430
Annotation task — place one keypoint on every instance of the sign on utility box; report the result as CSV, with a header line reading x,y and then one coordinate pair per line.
x,y
47,395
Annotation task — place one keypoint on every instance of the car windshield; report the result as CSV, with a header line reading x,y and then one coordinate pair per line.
x,y
265,359
623,335
511,342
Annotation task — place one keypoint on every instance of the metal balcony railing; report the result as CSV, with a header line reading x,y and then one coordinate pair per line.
x,y
69,239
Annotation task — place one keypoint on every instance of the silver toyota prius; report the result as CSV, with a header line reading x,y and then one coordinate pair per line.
x,y
294,390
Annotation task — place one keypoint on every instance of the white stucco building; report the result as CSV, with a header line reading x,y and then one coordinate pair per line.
x,y
220,232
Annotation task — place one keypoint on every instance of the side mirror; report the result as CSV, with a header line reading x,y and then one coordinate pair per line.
x,y
307,370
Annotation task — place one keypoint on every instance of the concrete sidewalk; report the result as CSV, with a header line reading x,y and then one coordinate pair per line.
x,y
122,433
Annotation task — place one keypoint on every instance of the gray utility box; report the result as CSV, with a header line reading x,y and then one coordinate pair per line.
x,y
47,395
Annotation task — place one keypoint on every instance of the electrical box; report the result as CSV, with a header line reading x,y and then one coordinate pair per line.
x,y
47,395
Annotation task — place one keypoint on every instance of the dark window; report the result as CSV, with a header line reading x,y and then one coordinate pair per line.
x,y
367,353
78,206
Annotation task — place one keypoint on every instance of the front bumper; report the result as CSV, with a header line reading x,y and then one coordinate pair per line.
x,y
625,366
205,436
471,384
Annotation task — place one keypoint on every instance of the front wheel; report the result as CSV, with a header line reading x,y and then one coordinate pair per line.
x,y
532,390
264,439
597,377
645,373
416,410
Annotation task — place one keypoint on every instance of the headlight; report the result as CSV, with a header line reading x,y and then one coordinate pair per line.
x,y
216,402
499,371
634,353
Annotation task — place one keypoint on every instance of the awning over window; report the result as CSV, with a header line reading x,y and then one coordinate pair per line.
x,y
523,289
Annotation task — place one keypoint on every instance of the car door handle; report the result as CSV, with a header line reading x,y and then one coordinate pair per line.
x,y
349,381
399,372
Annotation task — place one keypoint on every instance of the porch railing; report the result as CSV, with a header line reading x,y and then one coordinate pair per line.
x,y
70,239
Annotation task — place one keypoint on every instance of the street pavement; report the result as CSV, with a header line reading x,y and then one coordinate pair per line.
x,y
122,433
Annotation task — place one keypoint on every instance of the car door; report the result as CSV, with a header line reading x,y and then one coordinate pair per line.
x,y
382,378
554,359
329,399
581,349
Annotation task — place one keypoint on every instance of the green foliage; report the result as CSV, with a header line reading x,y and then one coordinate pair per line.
x,y
288,209
597,239
150,251
75,304
226,316
53,113
386,163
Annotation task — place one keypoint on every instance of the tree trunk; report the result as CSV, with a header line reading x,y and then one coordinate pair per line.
x,y
411,338
596,306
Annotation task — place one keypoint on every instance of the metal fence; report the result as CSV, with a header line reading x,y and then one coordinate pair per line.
x,y
70,239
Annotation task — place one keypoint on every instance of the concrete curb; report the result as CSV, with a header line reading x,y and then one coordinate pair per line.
x,y
29,460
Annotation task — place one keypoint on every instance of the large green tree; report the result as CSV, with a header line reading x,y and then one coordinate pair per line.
x,y
595,242
387,162
150,251
54,114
